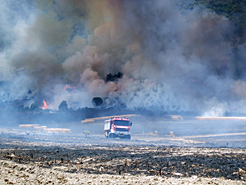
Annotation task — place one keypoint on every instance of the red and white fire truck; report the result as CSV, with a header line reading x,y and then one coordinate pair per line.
x,y
117,127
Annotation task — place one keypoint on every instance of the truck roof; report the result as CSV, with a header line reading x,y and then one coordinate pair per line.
x,y
116,118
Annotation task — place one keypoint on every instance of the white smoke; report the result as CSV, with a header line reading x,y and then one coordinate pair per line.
x,y
171,61
215,108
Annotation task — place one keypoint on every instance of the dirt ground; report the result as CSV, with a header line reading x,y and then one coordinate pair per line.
x,y
171,155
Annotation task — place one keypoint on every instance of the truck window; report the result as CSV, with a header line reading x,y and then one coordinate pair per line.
x,y
121,123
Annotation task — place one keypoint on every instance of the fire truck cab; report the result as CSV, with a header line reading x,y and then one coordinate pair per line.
x,y
117,127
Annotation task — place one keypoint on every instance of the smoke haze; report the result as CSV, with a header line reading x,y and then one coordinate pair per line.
x,y
171,61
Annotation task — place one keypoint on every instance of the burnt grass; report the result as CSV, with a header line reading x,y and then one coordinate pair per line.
x,y
177,162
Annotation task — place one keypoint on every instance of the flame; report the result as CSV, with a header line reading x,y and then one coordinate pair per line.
x,y
45,105
68,87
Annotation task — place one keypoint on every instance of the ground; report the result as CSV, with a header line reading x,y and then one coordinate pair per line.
x,y
171,152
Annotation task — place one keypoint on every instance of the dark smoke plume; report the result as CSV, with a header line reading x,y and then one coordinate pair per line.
x,y
171,60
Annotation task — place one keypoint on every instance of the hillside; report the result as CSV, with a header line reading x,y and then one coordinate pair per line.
x,y
234,10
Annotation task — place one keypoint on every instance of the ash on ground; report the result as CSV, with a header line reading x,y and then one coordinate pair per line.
x,y
169,155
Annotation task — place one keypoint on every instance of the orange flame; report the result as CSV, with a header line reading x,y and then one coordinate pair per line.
x,y
45,105
68,87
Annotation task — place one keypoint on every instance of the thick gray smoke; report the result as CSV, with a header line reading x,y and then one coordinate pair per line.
x,y
171,61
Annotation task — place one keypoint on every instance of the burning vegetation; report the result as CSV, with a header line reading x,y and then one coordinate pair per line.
x,y
45,105
126,53
71,63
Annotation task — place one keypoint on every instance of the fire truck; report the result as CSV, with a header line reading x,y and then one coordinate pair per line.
x,y
117,128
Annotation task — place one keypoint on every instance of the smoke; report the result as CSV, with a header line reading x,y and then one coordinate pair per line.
x,y
170,60
215,108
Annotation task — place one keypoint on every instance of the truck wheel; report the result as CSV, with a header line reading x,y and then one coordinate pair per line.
x,y
128,137
111,135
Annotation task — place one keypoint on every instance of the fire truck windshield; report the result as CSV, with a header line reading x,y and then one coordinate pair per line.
x,y
121,123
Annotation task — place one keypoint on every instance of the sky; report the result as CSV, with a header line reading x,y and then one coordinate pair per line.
x,y
171,60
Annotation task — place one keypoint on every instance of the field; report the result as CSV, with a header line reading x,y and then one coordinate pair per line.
x,y
161,151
